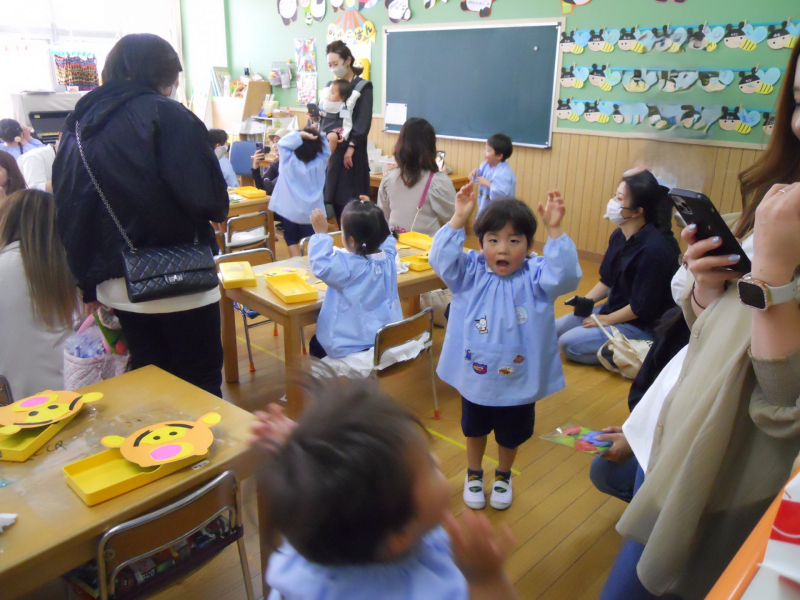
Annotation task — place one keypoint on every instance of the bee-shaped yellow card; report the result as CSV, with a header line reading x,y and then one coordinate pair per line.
x,y
166,442
41,410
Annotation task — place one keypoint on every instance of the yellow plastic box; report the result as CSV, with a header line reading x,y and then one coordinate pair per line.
x,y
417,263
250,192
20,446
416,240
107,475
237,275
291,288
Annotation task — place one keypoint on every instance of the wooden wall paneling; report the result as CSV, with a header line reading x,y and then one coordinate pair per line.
x,y
587,197
598,242
596,194
718,177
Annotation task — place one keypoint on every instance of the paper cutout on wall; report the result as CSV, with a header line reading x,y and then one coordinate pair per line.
x,y
605,81
165,442
739,119
758,81
645,40
708,116
705,38
42,410
634,113
627,39
366,4
567,6
305,53
674,81
569,110
351,28
287,9
769,123
715,81
432,3
599,112
574,77
306,88
315,10
670,40
337,5
784,35
639,80
744,36
572,42
482,7
398,10
603,40
663,117
691,116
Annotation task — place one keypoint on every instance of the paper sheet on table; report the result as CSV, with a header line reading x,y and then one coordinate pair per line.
x,y
395,114
6,520
360,363
783,548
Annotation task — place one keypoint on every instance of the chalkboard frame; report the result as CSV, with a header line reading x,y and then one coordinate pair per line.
x,y
559,23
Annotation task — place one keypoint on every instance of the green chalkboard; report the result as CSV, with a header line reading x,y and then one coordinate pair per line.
x,y
470,82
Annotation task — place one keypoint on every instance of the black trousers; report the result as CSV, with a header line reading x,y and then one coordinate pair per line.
x,y
186,344
315,349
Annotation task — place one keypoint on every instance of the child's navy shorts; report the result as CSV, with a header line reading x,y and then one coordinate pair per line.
x,y
512,425
294,232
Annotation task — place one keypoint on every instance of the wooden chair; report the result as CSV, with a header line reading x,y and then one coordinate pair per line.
x,y
396,334
257,221
255,257
5,392
337,241
161,529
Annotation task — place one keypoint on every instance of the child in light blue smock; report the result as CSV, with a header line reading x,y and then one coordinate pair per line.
x,y
362,282
500,349
359,500
494,177
304,161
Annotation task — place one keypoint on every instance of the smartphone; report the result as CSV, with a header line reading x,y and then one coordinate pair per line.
x,y
313,110
695,208
259,147
440,154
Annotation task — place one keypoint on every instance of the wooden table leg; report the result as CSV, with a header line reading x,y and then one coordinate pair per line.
x,y
413,305
292,350
229,350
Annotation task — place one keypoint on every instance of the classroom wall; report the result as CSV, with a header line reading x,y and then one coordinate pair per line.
x,y
205,42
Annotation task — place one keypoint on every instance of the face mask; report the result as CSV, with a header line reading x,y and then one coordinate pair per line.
x,y
221,151
614,212
339,71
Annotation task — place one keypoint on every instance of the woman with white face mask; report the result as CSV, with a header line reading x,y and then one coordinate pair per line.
x,y
348,172
634,277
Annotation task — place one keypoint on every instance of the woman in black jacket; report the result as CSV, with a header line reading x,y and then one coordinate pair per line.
x,y
348,172
164,184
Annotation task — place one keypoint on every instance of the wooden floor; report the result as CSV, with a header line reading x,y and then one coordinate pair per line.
x,y
564,527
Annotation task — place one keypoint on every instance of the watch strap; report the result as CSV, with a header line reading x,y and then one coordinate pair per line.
x,y
783,293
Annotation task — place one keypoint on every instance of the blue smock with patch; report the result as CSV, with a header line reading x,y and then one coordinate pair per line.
x,y
501,348
503,180
427,572
361,297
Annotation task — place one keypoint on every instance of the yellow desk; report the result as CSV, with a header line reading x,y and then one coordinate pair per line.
x,y
55,531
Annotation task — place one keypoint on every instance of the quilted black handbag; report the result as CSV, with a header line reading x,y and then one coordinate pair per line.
x,y
160,272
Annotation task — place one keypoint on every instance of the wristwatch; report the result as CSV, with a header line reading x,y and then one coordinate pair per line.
x,y
757,294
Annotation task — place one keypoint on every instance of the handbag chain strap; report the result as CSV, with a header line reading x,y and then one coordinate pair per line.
x,y
422,199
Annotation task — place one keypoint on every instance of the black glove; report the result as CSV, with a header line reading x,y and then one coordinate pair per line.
x,y
583,306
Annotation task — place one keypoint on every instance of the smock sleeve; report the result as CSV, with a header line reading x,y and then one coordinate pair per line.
x,y
326,263
447,257
558,272
503,184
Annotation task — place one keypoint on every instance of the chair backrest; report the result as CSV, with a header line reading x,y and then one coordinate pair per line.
x,y
245,223
160,529
338,241
256,257
241,157
395,334
5,392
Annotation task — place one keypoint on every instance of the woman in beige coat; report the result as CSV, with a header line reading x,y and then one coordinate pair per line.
x,y
729,429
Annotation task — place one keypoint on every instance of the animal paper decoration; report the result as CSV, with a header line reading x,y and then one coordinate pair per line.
x,y
603,40
715,81
639,80
287,9
567,6
634,113
705,38
645,40
399,10
337,5
482,7
690,117
599,112
784,35
744,36
569,110
769,123
41,410
315,10
739,120
627,39
365,4
165,442
574,77
572,42
605,81
663,117
758,81
432,3
670,40
673,81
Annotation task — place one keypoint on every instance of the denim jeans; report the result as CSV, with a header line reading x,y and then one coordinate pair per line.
x,y
615,478
580,344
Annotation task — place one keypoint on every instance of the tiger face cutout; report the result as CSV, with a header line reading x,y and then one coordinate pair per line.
x,y
41,410
166,442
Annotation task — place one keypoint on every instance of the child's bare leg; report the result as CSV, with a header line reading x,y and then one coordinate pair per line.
x,y
333,140
506,458
294,251
476,448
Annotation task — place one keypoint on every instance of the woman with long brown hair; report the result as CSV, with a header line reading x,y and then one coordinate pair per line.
x,y
728,405
11,179
39,301
416,193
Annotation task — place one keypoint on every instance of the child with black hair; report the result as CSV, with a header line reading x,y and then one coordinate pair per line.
x,y
362,282
359,501
218,139
495,177
500,350
298,192
336,105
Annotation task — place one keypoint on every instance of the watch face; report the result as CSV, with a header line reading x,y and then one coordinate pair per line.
x,y
752,295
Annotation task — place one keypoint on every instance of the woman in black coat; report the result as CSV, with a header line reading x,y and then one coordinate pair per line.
x,y
153,163
348,172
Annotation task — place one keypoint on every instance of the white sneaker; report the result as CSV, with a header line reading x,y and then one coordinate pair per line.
x,y
474,496
501,494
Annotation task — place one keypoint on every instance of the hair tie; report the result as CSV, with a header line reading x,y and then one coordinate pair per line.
x,y
363,245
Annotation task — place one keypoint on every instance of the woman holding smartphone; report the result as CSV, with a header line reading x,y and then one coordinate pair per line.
x,y
726,408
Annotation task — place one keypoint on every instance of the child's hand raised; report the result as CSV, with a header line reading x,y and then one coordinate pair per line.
x,y
465,204
319,222
272,428
552,213
308,136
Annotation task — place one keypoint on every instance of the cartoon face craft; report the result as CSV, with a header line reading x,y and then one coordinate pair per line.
x,y
41,410
166,442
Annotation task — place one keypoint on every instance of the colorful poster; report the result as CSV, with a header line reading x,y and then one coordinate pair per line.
x,y
306,88
305,51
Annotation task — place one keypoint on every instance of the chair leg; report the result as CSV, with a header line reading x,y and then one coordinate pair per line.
x,y
433,385
248,585
303,339
275,329
247,338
